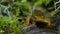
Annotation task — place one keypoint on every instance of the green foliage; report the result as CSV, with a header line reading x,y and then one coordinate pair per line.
x,y
12,23
16,7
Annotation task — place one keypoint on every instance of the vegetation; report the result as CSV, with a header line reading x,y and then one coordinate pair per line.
x,y
14,12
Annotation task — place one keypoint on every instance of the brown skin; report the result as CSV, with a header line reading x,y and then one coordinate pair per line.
x,y
29,20
38,15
